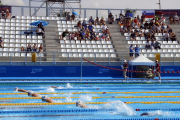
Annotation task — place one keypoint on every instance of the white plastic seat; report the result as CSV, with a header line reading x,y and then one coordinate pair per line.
x,y
17,45
113,55
85,50
69,50
91,55
74,50
99,46
84,46
6,40
12,36
63,46
89,46
5,55
34,41
68,46
12,41
86,55
17,54
23,41
73,46
80,50
11,49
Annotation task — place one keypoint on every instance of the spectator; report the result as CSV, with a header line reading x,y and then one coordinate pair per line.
x,y
83,34
97,37
83,23
162,19
41,48
143,17
77,35
90,27
79,24
8,15
146,25
72,36
85,27
91,20
137,49
152,44
29,48
34,48
97,21
170,31
120,18
73,17
157,45
162,28
41,26
173,36
167,36
40,31
131,50
142,25
133,36
135,20
110,18
176,18
154,27
102,21
22,48
68,17
167,28
171,19
3,16
148,46
158,29
141,33
103,37
63,35
1,42
104,27
93,36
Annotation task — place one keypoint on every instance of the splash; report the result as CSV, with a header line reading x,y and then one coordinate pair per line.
x,y
85,98
68,99
48,90
121,107
161,113
69,85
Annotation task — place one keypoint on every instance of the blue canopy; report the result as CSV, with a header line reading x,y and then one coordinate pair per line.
x,y
75,13
130,14
35,23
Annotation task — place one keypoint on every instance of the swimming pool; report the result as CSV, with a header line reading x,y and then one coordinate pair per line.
x,y
105,101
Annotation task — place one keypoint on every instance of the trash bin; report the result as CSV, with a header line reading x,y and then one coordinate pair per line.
x,y
33,57
157,56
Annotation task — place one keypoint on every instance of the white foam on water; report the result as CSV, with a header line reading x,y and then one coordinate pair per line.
x,y
69,85
60,87
85,98
48,90
57,101
67,94
121,107
161,113
68,99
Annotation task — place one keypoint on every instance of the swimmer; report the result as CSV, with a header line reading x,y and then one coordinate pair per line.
x,y
80,104
19,90
46,99
145,114
30,93
54,87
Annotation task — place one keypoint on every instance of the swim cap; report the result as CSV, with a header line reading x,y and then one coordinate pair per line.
x,y
80,102
16,88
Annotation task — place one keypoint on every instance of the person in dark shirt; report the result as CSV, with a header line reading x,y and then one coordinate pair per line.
x,y
90,27
146,25
73,17
68,17
3,16
125,66
83,23
63,35
91,20
157,71
137,49
133,35
110,18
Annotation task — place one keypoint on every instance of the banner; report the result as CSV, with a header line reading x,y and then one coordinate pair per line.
x,y
4,8
167,13
148,13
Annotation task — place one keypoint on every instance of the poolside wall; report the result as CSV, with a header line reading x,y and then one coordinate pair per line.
x,y
70,71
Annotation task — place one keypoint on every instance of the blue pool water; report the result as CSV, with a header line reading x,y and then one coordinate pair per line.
x,y
115,109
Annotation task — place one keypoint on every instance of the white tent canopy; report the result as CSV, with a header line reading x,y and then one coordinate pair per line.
x,y
141,60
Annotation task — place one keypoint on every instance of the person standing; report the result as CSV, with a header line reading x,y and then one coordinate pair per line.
x,y
137,49
125,66
131,50
157,70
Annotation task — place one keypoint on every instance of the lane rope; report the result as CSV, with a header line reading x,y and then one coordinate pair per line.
x,y
82,110
92,93
93,97
71,103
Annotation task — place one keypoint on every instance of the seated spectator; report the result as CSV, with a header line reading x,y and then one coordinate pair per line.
x,y
148,46
110,18
103,37
90,27
41,48
63,35
133,36
83,34
97,21
171,19
146,31
143,17
72,36
79,24
162,28
131,51
141,25
167,36
176,18
91,20
3,16
22,48
86,26
97,37
40,31
141,33
154,27
167,28
83,23
158,29
34,47
8,15
120,18
68,17
73,17
107,32
41,26
77,35
93,36
162,19
151,23
173,36
88,35
104,27
146,25
135,20
102,21
29,48
170,31
157,45
152,44
107,36
1,42
137,49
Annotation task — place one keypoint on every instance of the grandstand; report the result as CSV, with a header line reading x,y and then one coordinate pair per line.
x,y
12,31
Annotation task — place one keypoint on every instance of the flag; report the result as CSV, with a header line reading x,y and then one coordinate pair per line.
x,y
149,13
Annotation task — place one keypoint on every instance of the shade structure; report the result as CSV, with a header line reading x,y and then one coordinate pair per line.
x,y
141,60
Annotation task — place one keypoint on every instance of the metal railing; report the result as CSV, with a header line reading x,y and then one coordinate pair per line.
x,y
95,58
86,12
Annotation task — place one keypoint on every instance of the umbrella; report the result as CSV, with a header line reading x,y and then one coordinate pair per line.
x,y
159,12
35,23
75,13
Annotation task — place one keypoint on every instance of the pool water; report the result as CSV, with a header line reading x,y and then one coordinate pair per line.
x,y
119,101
